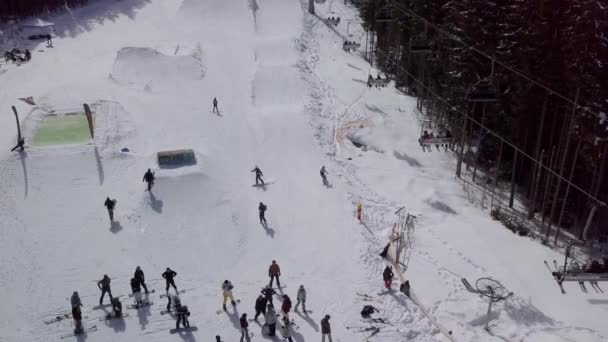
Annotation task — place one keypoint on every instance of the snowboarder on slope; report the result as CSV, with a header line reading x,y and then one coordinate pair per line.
x,y
136,288
262,208
75,299
116,308
182,316
215,106
169,274
274,272
286,329
323,173
286,306
244,328
325,328
388,275
268,292
227,293
149,178
271,320
301,297
77,316
258,175
260,306
110,204
139,275
104,286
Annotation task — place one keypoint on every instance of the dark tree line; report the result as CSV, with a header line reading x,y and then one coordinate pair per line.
x,y
18,9
562,44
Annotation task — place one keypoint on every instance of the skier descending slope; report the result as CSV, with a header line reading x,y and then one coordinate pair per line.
x,y
262,209
169,274
104,286
258,175
274,272
260,306
149,178
323,173
227,293
110,204
388,275
268,292
244,328
301,297
139,275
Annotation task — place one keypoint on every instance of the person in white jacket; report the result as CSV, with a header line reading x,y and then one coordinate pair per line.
x,y
227,292
286,329
271,320
301,297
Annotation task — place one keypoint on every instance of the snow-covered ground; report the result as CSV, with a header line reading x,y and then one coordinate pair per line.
x,y
290,99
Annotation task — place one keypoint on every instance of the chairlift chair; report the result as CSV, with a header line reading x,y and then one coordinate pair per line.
x,y
420,45
319,2
483,91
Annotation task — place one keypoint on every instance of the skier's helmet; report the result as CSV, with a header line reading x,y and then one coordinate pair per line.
x,y
327,316
274,261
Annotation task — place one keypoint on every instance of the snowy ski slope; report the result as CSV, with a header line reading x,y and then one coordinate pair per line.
x,y
290,99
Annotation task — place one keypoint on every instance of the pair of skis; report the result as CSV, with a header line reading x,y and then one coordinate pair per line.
x,y
236,301
83,332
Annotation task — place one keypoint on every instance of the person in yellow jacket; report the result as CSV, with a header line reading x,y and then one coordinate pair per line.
x,y
359,211
227,292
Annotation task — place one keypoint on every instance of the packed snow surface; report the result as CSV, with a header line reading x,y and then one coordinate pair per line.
x,y
290,99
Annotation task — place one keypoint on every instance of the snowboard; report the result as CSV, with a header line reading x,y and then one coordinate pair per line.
x,y
86,330
190,328
222,309
143,294
269,182
111,316
97,307
164,295
135,306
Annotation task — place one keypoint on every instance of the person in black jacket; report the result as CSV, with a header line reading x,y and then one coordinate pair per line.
x,y
258,175
139,275
182,316
388,275
110,204
244,328
149,178
268,292
169,274
136,288
260,306
262,208
104,286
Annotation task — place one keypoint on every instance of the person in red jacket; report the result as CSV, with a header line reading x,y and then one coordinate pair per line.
x,y
286,306
244,328
274,271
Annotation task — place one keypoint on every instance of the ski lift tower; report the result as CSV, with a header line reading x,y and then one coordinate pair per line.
x,y
491,289
403,245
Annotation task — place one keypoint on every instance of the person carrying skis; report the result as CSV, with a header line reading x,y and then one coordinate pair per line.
x,y
258,175
182,316
110,204
286,306
286,329
227,293
75,299
116,308
244,328
169,274
77,316
388,275
149,178
268,292
301,297
136,289
274,272
215,106
139,275
323,173
104,286
325,328
271,320
260,306
262,208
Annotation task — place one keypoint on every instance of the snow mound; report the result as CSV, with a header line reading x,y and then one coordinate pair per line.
x,y
152,69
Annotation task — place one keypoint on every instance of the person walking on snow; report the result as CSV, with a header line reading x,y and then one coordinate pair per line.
x,y
359,211
136,289
301,297
149,178
271,321
323,173
104,286
77,316
75,299
325,328
286,306
139,275
260,306
110,204
258,175
388,275
262,208
274,272
244,328
169,274
268,292
215,110
227,293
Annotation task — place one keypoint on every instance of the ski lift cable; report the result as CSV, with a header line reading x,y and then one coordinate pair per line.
x,y
590,196
492,58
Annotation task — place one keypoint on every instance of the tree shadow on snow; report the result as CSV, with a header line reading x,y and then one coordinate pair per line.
x,y
374,108
156,204
99,166
22,157
115,227
525,313
308,320
438,205
597,301
481,320
413,162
